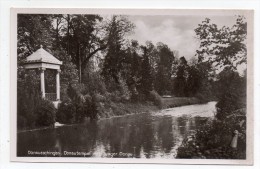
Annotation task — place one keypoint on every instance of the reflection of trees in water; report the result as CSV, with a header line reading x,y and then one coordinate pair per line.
x,y
41,140
192,125
175,128
165,134
182,124
89,136
147,136
111,135
199,121
128,134
141,135
68,138
78,137
115,133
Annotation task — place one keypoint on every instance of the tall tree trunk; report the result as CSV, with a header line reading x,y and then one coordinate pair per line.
x,y
57,33
79,66
68,34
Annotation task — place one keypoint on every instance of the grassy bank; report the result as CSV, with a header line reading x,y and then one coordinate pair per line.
x,y
120,109
180,101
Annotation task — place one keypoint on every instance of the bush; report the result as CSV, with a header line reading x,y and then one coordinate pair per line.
x,y
231,93
27,98
125,94
212,140
32,110
76,111
93,111
21,122
100,98
81,112
92,79
156,99
45,113
117,91
66,113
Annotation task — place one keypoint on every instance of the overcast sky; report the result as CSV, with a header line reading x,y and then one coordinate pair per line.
x,y
175,31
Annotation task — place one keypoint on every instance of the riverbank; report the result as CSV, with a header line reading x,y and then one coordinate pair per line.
x,y
121,109
180,101
118,109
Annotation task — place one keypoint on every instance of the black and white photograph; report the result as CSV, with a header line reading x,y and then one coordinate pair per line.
x,y
152,85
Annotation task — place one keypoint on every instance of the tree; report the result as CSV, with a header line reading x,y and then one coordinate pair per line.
x,y
164,69
193,81
225,46
93,81
199,82
231,93
146,81
82,39
154,57
115,56
33,30
59,25
133,68
180,81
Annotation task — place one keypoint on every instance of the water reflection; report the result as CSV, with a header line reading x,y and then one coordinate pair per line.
x,y
141,136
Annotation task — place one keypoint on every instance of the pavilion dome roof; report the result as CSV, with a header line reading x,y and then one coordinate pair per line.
x,y
42,56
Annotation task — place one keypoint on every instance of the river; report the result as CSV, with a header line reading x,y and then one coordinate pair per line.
x,y
145,135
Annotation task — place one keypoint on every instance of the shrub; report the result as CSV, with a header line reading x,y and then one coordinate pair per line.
x,y
156,98
21,122
92,79
88,108
81,112
45,113
231,93
202,97
93,111
212,140
76,111
99,98
117,91
125,94
27,99
66,113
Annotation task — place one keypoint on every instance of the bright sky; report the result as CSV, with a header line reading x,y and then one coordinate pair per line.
x,y
175,31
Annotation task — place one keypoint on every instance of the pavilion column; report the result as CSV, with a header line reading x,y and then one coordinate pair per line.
x,y
42,82
58,84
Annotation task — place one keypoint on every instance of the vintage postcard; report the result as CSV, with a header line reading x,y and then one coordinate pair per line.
x,y
171,86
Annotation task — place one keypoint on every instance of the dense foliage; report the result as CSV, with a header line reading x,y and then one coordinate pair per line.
x,y
66,113
223,46
44,114
32,110
232,93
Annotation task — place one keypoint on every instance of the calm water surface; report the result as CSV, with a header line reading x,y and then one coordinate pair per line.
x,y
146,135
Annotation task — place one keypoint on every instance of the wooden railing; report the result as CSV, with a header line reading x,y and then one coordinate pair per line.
x,y
51,96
